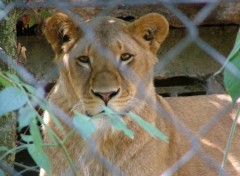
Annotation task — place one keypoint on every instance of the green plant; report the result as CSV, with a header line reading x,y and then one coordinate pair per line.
x,y
19,96
232,85
232,71
39,16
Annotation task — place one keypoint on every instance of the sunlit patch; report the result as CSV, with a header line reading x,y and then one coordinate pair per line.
x,y
87,20
233,160
215,104
111,21
224,97
46,118
56,88
210,144
220,98
65,59
42,172
233,116
228,99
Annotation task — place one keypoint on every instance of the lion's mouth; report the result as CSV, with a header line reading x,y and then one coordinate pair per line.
x,y
107,113
93,115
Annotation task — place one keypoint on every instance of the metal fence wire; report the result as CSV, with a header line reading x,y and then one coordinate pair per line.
x,y
107,8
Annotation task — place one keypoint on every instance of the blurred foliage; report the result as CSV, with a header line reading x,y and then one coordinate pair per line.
x,y
232,71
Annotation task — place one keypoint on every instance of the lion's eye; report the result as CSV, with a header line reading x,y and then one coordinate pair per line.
x,y
83,59
126,57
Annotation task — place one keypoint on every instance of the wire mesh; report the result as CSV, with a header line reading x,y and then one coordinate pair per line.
x,y
107,7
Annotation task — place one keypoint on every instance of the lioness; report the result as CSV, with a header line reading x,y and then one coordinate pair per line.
x,y
110,63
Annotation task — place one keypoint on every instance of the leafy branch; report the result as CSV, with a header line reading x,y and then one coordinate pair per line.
x,y
232,85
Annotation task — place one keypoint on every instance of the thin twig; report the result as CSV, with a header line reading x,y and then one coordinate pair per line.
x,y
229,141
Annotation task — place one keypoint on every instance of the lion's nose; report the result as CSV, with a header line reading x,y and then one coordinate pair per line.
x,y
105,96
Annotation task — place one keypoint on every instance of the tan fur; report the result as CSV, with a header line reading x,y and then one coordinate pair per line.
x,y
109,38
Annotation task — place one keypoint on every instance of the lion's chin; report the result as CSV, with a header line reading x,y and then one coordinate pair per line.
x,y
105,111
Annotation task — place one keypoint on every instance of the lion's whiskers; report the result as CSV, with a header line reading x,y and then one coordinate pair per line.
x,y
79,107
137,104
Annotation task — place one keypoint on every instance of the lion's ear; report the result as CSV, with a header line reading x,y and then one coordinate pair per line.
x,y
61,32
151,28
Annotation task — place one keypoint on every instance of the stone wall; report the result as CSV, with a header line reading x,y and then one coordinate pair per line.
x,y
193,62
40,57
227,12
7,131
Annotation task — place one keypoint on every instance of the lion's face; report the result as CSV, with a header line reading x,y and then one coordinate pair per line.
x,y
111,63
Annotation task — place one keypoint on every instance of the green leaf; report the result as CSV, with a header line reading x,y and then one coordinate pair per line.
x,y
11,98
36,135
40,158
25,117
232,78
232,54
236,46
3,149
29,88
45,14
4,82
13,77
152,130
84,125
32,21
232,71
26,138
36,150
117,122
1,173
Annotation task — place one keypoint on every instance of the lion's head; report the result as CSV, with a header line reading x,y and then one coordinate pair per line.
x,y
106,61
109,62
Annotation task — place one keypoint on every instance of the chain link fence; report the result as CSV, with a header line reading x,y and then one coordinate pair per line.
x,y
111,8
